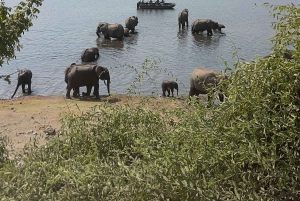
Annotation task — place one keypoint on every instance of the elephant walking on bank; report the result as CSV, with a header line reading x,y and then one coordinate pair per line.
x,y
110,30
169,85
77,75
202,80
208,25
24,77
90,54
183,18
131,23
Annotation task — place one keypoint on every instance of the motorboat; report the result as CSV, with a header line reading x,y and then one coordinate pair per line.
x,y
154,5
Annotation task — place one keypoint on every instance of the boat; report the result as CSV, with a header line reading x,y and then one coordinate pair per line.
x,y
154,5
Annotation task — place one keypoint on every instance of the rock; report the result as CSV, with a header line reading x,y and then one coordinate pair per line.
x,y
50,131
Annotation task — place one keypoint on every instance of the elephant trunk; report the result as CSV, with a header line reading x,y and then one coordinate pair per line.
x,y
16,89
98,32
177,91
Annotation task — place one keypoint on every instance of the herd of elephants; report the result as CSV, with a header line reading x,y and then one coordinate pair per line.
x,y
88,74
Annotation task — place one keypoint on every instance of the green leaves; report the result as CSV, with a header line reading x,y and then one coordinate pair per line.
x,y
13,23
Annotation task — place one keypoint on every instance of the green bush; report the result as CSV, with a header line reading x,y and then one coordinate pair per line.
x,y
246,148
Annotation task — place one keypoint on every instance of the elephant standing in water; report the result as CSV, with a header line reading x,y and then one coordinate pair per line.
x,y
78,75
24,77
183,18
208,25
131,23
110,30
169,85
90,54
126,32
202,80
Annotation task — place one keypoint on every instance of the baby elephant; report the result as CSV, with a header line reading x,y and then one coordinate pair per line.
x,y
24,77
169,85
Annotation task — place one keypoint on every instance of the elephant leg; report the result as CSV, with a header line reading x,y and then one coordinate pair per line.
x,y
164,92
168,92
29,88
96,90
88,91
120,38
75,93
68,92
172,90
209,32
23,88
193,91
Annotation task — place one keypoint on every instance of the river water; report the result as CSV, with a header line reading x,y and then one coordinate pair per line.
x,y
64,29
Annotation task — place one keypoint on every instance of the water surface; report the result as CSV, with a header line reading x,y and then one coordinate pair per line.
x,y
65,28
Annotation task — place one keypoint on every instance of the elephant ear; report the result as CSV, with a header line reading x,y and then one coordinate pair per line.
x,y
98,70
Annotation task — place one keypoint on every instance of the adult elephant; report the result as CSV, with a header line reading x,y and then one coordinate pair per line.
x,y
78,75
208,25
24,77
110,30
202,80
169,86
131,23
90,54
183,18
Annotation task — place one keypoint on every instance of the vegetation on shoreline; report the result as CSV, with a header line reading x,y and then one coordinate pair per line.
x,y
14,22
246,148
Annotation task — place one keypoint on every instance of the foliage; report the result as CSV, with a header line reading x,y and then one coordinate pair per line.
x,y
13,23
246,148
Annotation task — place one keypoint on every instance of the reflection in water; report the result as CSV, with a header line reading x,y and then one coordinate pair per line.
x,y
101,42
201,40
182,36
132,39
182,33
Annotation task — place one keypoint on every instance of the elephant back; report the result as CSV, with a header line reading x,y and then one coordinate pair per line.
x,y
202,78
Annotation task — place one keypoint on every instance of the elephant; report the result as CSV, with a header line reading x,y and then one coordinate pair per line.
x,y
126,32
205,25
183,18
202,80
131,23
110,30
169,85
78,75
90,54
24,77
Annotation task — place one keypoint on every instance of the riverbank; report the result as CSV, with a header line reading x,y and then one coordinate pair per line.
x,y
35,117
